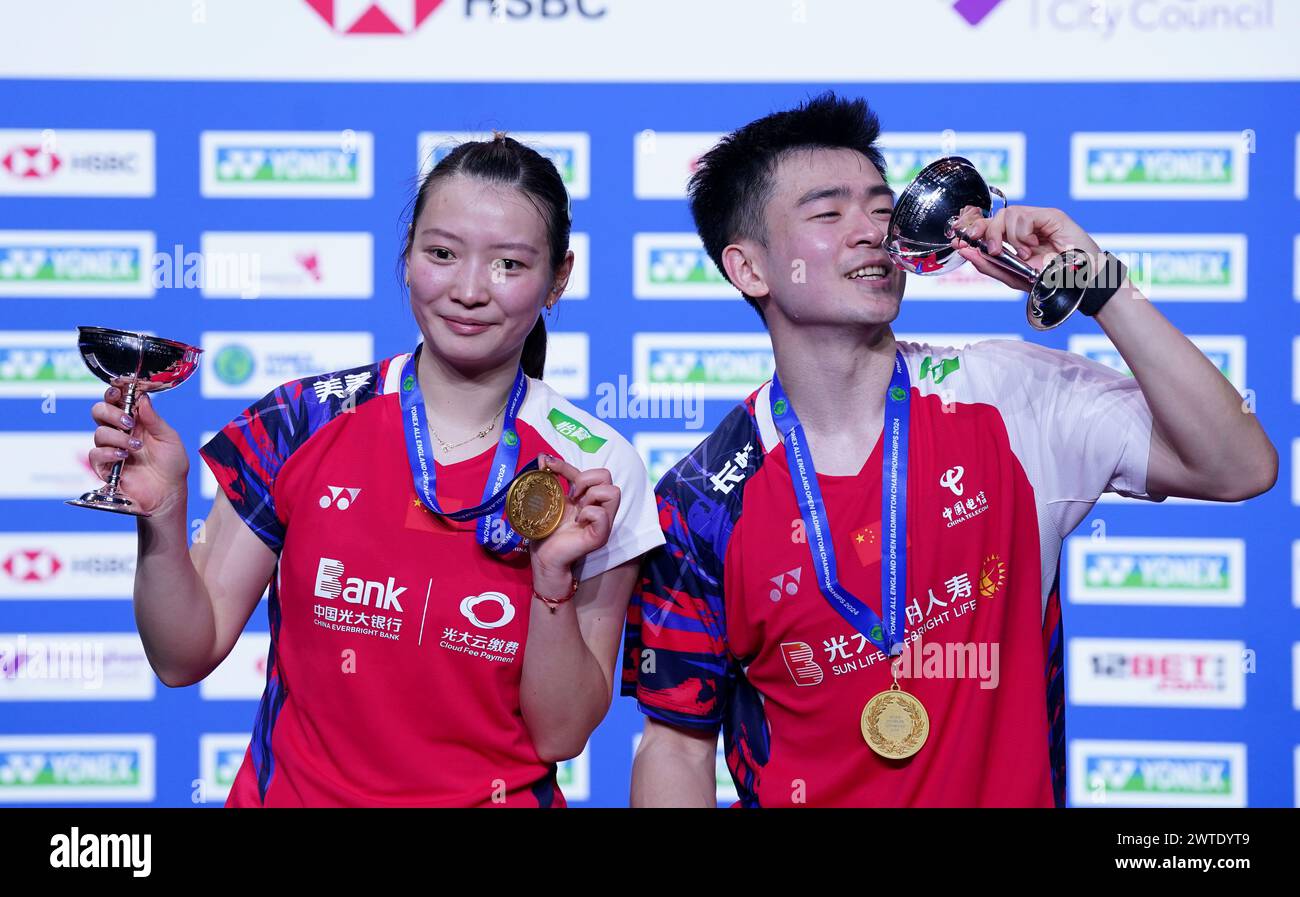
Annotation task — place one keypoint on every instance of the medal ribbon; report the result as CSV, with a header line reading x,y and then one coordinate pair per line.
x,y
504,461
885,634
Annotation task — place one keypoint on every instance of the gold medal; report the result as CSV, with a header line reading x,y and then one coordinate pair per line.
x,y
535,504
895,724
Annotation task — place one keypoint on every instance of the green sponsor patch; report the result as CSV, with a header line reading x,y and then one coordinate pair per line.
x,y
939,370
574,431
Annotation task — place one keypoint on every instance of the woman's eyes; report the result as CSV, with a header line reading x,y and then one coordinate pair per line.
x,y
443,254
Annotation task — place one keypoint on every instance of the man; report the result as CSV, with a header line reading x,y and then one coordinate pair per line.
x,y
860,585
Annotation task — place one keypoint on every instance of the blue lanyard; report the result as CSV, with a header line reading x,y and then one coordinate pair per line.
x,y
424,475
887,634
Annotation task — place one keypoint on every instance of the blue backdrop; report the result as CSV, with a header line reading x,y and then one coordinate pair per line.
x,y
1268,725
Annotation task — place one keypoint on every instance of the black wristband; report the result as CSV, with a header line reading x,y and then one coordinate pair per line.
x,y
1104,284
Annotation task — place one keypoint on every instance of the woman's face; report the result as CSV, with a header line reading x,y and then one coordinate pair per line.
x,y
480,272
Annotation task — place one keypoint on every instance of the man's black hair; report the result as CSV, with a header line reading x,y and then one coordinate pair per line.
x,y
730,188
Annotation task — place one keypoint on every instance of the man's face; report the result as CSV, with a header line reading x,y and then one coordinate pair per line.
x,y
825,262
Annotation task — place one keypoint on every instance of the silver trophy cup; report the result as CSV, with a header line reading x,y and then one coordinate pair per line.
x,y
135,363
924,223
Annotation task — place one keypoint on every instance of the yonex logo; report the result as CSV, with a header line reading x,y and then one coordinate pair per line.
x,y
951,479
1159,165
787,582
337,499
472,601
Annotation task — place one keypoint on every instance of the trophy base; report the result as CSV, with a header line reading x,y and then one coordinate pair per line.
x,y
116,503
1058,291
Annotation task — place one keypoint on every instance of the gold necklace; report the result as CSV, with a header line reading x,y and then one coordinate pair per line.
x,y
479,435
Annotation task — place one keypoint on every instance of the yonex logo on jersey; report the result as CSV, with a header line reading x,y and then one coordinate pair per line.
x,y
951,479
798,657
472,601
787,582
337,499
331,584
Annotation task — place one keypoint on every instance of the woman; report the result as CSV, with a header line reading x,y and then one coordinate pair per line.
x,y
398,673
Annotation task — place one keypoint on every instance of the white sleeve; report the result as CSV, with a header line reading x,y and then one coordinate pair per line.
x,y
1081,427
636,525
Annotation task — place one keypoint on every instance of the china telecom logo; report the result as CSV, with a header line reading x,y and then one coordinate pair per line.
x,y
374,16
975,11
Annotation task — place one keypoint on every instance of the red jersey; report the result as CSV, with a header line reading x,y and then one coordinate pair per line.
x,y
397,641
1009,447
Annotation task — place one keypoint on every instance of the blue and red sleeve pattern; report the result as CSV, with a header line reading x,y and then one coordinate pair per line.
x,y
676,662
247,454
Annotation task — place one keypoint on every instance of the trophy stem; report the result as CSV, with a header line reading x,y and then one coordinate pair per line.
x,y
128,407
1003,260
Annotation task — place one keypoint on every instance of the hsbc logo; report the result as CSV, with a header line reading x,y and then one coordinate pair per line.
x,y
368,593
76,163
384,17
403,17
31,565
502,10
30,162
67,565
